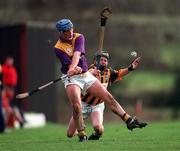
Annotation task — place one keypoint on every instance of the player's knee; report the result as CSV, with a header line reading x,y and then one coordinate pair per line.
x,y
70,135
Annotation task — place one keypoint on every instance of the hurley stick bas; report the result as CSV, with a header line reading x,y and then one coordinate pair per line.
x,y
27,94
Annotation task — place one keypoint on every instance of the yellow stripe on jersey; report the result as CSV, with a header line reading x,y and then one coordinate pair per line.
x,y
67,47
96,101
89,99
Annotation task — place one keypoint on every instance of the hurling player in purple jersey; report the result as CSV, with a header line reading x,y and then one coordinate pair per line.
x,y
70,49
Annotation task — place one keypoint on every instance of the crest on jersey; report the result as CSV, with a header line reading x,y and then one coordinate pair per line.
x,y
69,50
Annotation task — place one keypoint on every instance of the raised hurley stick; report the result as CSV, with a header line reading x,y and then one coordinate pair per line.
x,y
105,13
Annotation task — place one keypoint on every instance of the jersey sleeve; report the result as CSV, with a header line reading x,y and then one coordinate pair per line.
x,y
79,44
115,75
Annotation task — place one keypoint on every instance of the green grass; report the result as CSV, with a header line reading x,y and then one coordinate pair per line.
x,y
155,137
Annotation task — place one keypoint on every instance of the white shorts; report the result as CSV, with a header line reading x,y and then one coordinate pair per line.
x,y
84,81
88,109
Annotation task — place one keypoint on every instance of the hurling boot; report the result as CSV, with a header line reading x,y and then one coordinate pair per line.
x,y
82,136
94,136
134,123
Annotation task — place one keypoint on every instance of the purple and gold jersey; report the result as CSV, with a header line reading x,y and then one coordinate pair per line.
x,y
65,49
106,78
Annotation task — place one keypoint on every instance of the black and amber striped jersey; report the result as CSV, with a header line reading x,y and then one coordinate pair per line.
x,y
106,77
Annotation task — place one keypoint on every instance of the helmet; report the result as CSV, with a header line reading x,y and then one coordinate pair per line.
x,y
102,54
64,25
97,57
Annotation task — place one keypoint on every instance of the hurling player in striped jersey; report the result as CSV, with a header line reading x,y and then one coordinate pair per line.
x,y
92,106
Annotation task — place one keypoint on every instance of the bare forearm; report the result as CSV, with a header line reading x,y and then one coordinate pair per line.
x,y
124,72
131,67
75,59
73,68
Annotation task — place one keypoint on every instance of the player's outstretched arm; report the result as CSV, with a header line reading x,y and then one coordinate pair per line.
x,y
134,65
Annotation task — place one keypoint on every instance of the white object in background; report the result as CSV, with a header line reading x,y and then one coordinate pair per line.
x,y
134,53
34,120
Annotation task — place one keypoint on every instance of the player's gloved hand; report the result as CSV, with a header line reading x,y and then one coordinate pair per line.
x,y
134,64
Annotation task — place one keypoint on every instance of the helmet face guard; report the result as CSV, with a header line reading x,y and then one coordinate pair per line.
x,y
64,25
98,56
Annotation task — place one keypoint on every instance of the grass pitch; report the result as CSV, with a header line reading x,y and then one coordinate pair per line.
x,y
163,136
